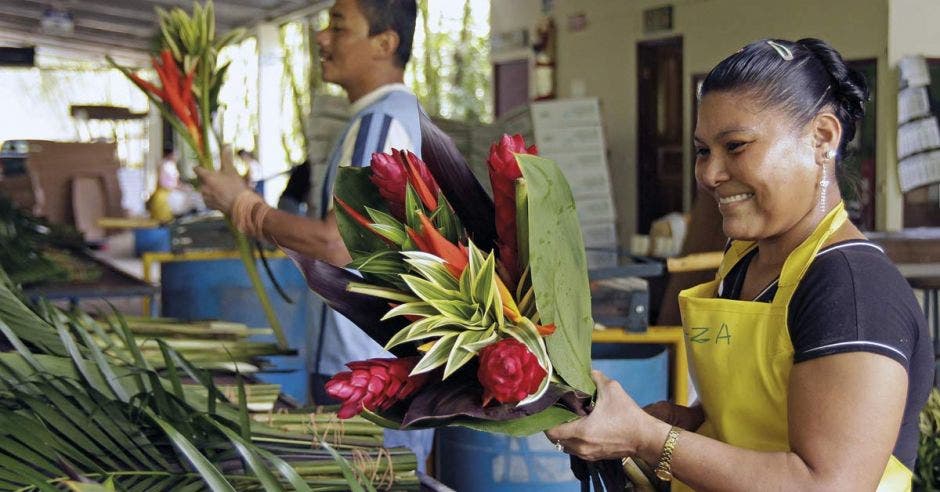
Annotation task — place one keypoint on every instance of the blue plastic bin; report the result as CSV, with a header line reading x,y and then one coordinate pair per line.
x,y
221,290
154,239
469,460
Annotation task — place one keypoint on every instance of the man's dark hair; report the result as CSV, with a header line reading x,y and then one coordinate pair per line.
x,y
397,15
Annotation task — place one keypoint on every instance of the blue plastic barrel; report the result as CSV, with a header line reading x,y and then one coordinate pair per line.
x,y
153,239
221,290
469,460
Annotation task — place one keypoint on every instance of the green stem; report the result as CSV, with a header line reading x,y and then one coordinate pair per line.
x,y
247,255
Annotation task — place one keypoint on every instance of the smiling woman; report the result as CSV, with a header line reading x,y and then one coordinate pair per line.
x,y
824,360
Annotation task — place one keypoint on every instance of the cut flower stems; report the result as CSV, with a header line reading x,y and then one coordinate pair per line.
x,y
186,64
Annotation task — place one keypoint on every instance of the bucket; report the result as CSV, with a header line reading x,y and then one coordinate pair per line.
x,y
153,239
221,290
469,460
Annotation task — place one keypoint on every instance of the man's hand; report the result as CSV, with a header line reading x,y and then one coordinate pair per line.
x,y
688,418
220,188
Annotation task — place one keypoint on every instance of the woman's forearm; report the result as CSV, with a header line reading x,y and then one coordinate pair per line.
x,y
708,464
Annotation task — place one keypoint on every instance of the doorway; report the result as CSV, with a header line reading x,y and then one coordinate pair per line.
x,y
659,130
512,85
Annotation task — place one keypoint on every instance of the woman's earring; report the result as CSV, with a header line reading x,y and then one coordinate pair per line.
x,y
824,186
830,154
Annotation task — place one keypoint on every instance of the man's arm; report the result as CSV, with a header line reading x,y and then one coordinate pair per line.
x,y
318,239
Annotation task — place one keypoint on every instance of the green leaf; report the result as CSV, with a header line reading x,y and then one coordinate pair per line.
x,y
171,371
437,356
358,191
460,354
484,284
522,223
422,309
432,268
347,470
213,477
404,337
380,262
429,291
412,208
380,292
248,453
525,426
286,471
445,220
387,222
559,270
456,309
528,334
107,372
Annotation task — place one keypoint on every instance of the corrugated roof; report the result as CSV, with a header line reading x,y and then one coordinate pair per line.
x,y
122,27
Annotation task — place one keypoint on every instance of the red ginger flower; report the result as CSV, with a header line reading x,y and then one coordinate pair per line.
x,y
374,384
509,372
390,173
504,171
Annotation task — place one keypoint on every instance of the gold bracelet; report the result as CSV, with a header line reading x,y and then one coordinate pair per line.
x,y
664,465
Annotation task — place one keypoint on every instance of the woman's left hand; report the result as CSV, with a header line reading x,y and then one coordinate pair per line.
x,y
615,428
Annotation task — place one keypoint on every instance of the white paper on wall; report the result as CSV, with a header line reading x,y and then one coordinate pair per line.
x,y
570,132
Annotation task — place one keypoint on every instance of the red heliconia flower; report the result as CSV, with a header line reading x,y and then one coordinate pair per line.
x,y
509,372
374,384
430,240
504,171
390,173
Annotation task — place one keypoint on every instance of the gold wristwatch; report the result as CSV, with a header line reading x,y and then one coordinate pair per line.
x,y
664,466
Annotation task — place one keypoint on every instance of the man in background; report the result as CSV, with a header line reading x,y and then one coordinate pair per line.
x,y
364,50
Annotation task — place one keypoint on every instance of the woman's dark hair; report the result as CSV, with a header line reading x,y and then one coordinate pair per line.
x,y
801,77
397,15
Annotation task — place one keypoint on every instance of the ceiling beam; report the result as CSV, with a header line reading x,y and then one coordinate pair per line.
x,y
78,49
21,31
143,31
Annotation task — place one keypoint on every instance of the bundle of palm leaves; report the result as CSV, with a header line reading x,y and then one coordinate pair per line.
x,y
74,415
33,250
213,345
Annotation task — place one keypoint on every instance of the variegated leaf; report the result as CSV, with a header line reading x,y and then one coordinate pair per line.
x,y
434,271
381,292
392,233
412,207
454,309
404,337
424,325
528,334
429,291
411,309
475,347
437,356
460,355
383,262
483,285
445,220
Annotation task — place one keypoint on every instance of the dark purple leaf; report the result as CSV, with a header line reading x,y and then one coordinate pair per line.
x,y
460,186
462,396
330,282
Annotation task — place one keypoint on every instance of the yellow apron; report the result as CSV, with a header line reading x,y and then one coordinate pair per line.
x,y
740,355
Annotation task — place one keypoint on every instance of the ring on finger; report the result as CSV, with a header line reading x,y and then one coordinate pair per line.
x,y
559,447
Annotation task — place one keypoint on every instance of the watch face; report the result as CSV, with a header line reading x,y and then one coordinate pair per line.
x,y
664,475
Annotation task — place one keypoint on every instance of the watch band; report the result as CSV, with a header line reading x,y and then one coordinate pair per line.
x,y
664,465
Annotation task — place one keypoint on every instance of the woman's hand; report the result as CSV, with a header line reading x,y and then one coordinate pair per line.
x,y
617,426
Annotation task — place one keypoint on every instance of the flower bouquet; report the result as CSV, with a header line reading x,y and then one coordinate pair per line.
x,y
484,301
